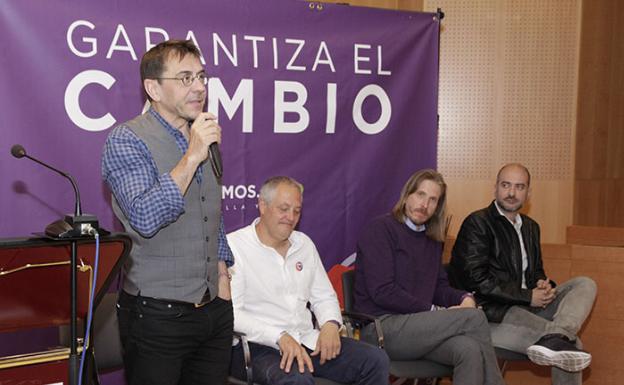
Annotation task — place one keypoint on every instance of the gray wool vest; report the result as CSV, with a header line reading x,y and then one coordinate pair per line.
x,y
180,261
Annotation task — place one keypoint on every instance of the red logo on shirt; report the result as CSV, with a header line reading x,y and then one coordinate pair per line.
x,y
299,266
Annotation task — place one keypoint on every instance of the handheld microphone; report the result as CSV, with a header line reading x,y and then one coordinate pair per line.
x,y
214,155
73,225
215,159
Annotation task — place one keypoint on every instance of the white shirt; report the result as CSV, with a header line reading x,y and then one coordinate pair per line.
x,y
413,226
517,224
270,292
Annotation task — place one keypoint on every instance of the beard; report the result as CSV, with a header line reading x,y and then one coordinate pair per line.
x,y
509,204
421,219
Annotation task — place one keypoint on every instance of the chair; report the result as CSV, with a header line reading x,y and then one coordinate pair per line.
x,y
503,355
335,277
246,352
105,345
106,341
402,369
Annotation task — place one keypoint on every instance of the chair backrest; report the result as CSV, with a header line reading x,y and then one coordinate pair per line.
x,y
106,341
348,288
335,277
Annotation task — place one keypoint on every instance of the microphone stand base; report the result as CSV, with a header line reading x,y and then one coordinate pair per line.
x,y
73,226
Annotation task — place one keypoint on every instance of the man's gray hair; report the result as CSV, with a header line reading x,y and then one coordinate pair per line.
x,y
267,191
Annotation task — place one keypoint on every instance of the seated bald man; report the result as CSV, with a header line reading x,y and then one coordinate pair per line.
x,y
498,255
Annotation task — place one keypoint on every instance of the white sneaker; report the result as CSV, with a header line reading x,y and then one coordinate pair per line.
x,y
557,350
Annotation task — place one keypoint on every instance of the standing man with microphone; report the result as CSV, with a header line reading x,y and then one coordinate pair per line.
x,y
175,310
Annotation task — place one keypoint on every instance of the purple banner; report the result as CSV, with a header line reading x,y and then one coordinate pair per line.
x,y
342,98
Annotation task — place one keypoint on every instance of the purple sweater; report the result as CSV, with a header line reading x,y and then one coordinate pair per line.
x,y
399,271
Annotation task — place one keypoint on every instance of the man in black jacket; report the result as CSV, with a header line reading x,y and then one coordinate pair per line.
x,y
497,255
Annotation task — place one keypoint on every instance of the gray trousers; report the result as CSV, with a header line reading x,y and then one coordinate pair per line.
x,y
454,337
523,326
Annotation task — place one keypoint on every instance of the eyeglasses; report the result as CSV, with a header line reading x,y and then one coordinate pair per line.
x,y
188,79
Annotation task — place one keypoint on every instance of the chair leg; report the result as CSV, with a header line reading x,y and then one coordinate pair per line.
x,y
428,381
502,364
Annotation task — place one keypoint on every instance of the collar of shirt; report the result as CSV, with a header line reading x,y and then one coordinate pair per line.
x,y
413,226
517,222
295,242
179,139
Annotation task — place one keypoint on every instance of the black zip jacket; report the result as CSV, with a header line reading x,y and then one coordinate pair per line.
x,y
487,260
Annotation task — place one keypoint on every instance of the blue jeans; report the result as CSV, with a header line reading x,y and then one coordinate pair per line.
x,y
169,343
357,363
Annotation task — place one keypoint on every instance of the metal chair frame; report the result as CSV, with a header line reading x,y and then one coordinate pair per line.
x,y
414,369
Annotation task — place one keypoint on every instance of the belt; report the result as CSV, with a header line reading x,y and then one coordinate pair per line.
x,y
204,300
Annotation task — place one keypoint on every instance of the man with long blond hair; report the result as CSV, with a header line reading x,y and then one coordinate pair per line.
x,y
400,278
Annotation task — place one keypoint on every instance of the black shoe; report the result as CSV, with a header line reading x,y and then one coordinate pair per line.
x,y
557,350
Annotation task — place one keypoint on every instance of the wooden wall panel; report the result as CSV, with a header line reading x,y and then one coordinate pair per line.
x,y
599,188
599,201
508,94
470,81
595,236
589,199
464,197
603,335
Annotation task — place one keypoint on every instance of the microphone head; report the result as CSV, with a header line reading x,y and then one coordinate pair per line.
x,y
18,151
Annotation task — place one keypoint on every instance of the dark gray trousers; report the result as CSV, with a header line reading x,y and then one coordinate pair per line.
x,y
454,337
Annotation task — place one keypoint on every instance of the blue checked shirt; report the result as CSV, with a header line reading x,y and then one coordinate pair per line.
x,y
150,201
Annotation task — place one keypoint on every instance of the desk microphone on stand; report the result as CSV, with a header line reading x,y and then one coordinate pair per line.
x,y
72,228
75,225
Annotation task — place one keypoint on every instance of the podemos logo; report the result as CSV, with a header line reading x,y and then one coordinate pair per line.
x,y
235,197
